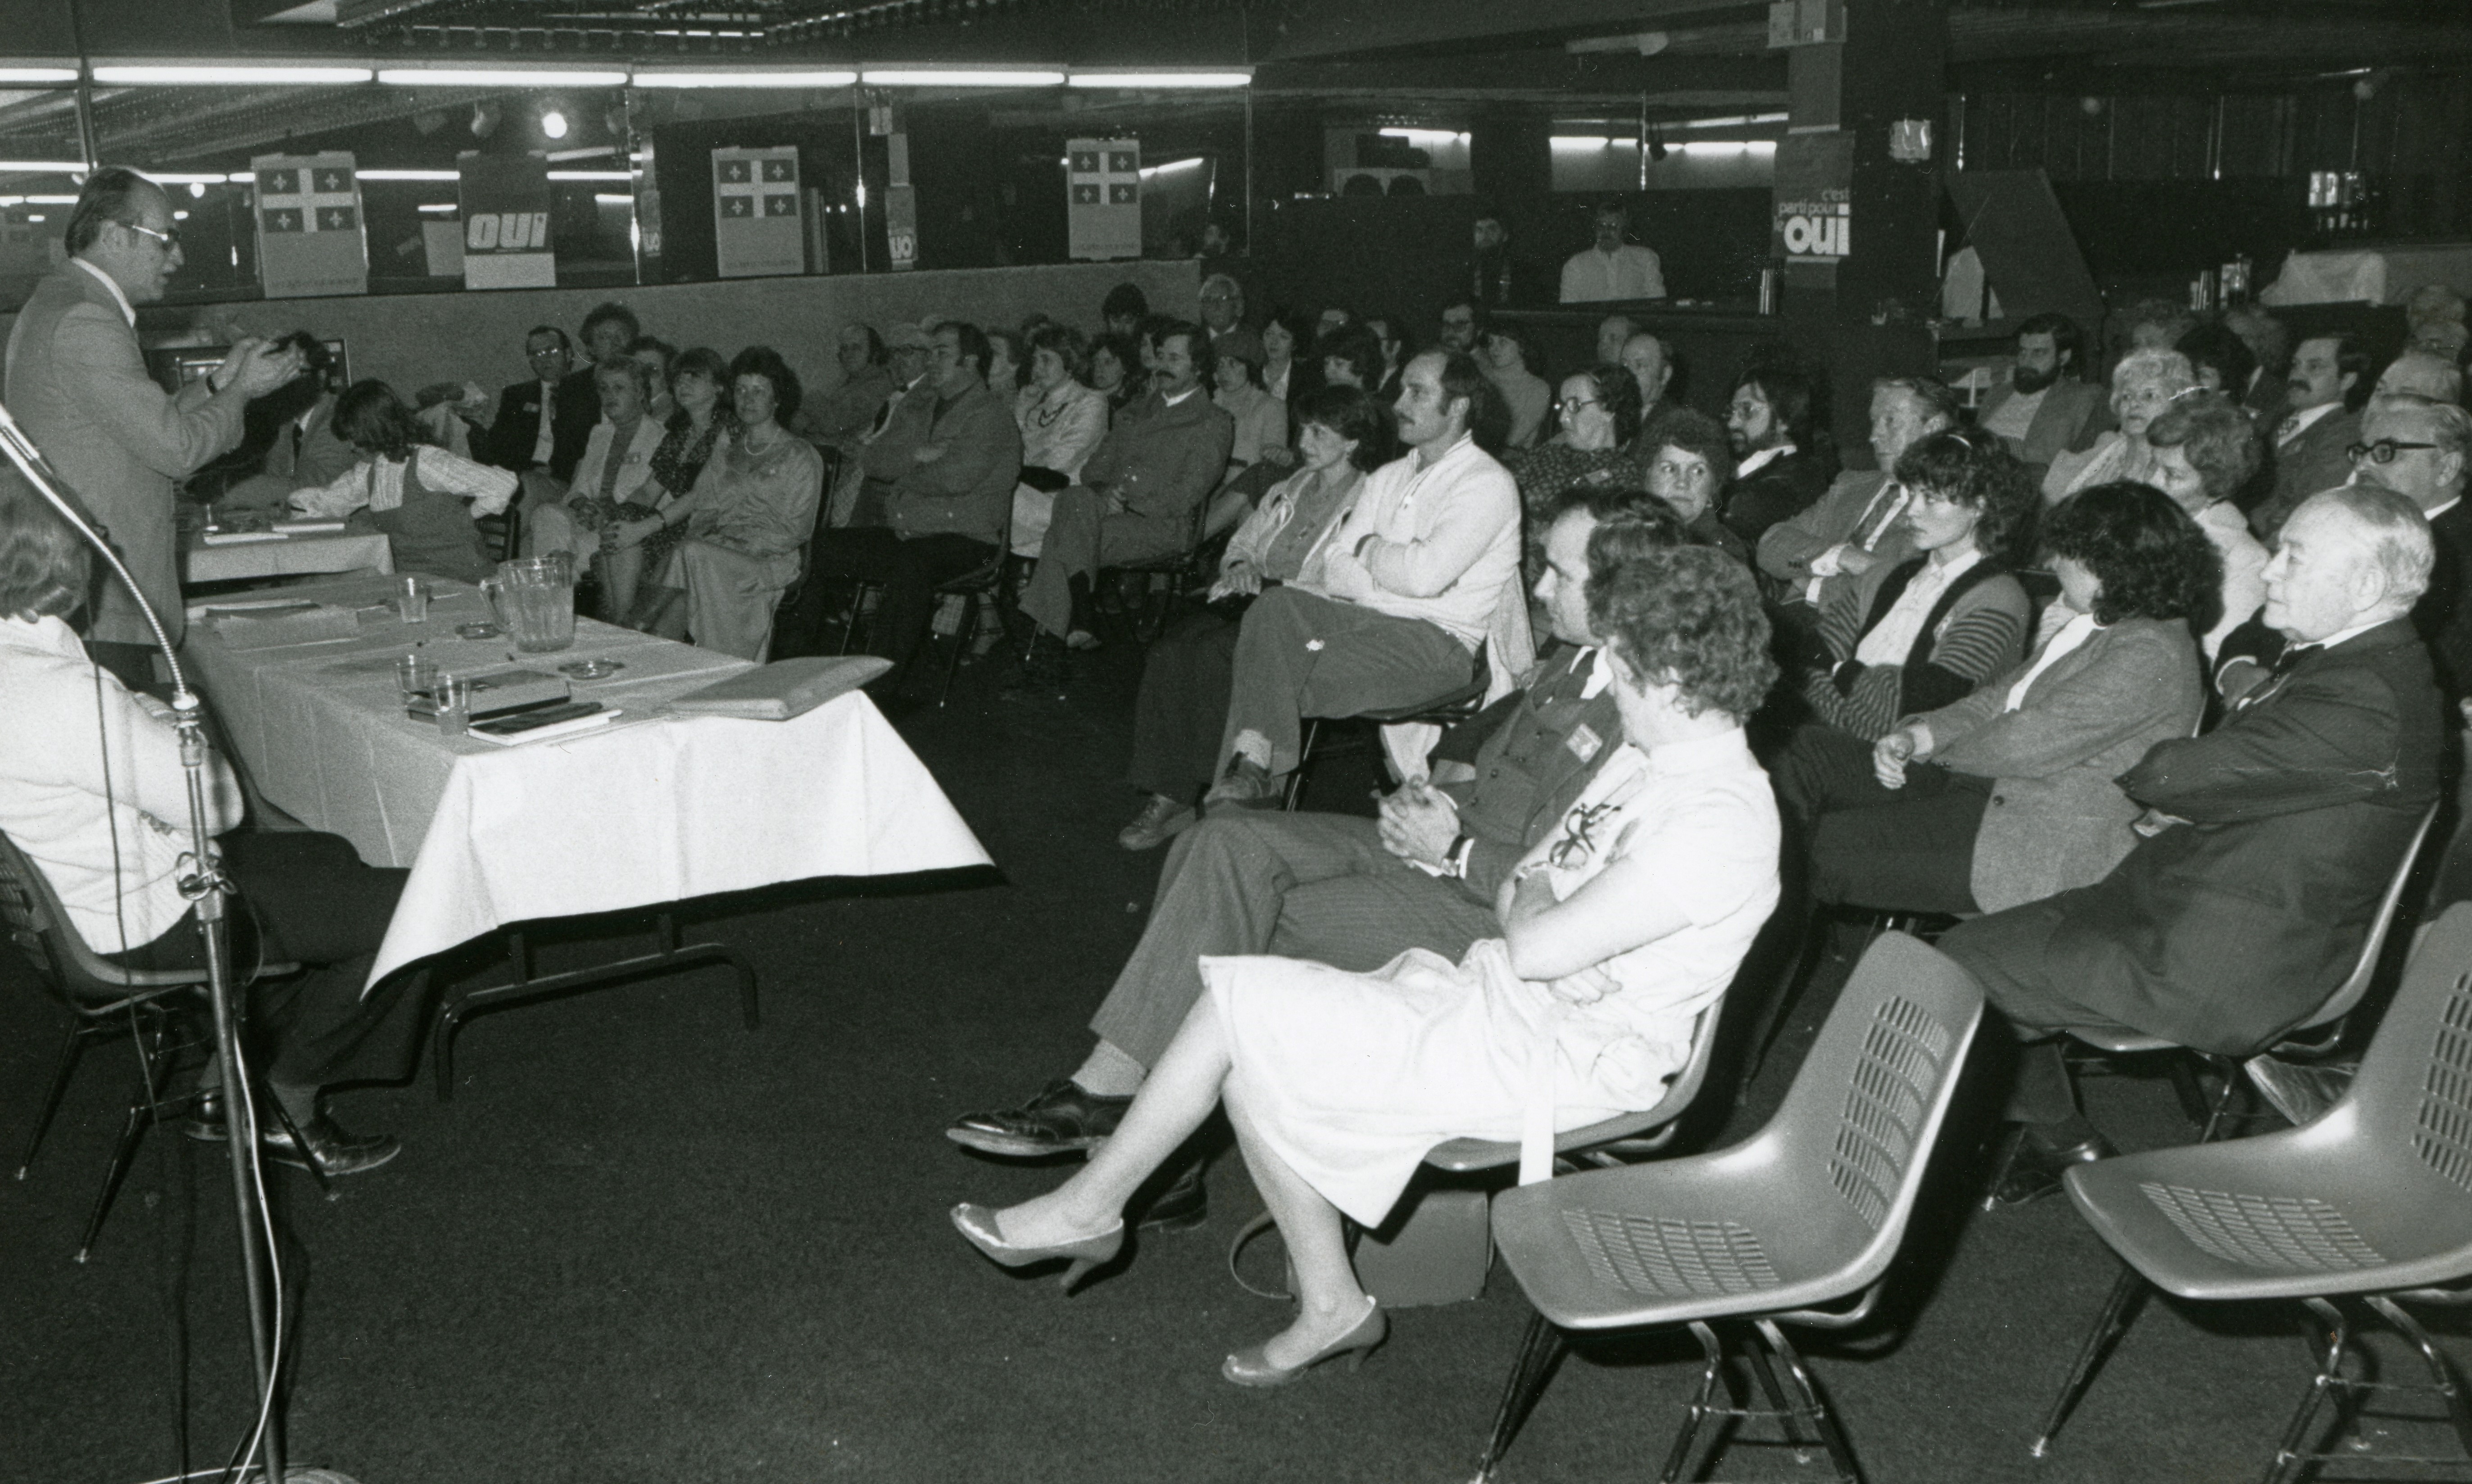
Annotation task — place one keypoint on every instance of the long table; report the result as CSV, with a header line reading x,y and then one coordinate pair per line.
x,y
650,809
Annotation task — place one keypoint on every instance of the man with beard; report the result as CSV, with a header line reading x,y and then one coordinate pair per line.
x,y
1776,473
2044,411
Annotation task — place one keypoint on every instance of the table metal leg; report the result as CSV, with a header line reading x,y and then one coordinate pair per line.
x,y
668,958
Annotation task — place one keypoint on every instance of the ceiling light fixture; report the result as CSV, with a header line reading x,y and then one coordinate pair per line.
x,y
224,75
591,174
401,175
751,76
42,167
960,77
497,77
1161,80
21,74
552,124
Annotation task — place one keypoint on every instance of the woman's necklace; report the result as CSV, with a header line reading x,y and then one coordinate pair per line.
x,y
754,450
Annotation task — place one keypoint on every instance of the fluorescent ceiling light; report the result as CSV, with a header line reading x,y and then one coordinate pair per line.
x,y
1081,78
1423,138
608,200
443,208
51,201
42,167
497,77
960,77
591,174
1583,142
754,76
400,175
1149,171
224,74
174,178
15,74
1710,147
1736,122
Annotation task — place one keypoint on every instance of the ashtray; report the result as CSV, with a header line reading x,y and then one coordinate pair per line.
x,y
478,631
590,669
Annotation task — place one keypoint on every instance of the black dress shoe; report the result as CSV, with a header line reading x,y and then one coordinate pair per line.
x,y
1185,1203
322,1144
1061,1119
2034,1171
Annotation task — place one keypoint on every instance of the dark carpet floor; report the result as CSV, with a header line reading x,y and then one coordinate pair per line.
x,y
644,1245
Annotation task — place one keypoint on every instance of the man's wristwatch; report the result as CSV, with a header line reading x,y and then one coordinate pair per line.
x,y
1455,860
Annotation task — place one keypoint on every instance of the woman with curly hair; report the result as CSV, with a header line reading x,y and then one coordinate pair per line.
x,y
751,514
2006,796
2206,450
1617,933
2143,386
1931,628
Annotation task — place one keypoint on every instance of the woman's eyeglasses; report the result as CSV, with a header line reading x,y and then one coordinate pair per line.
x,y
2380,452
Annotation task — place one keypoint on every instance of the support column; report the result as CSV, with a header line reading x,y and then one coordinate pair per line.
x,y
1861,283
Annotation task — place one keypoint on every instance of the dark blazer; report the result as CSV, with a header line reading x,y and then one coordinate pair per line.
x,y
1532,765
2222,932
968,491
1780,489
2064,421
516,429
1162,461
2315,461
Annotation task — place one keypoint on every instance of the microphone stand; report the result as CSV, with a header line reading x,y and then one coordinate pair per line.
x,y
207,888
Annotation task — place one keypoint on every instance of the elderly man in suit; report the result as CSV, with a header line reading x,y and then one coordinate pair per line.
x,y
1350,892
2329,380
1140,497
1854,526
2043,409
76,380
2266,843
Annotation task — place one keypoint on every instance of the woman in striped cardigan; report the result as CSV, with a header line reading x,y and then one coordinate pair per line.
x,y
1927,631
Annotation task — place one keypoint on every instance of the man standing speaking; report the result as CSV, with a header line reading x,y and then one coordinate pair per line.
x,y
77,381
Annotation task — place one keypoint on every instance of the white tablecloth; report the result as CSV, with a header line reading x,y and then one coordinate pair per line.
x,y
326,552
2376,276
647,810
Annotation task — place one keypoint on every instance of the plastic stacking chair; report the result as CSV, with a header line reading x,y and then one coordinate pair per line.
x,y
2372,1201
1807,1212
1608,1142
1454,705
106,999
2328,1019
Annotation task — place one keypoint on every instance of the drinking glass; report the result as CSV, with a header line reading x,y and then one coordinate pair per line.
x,y
453,705
412,599
415,674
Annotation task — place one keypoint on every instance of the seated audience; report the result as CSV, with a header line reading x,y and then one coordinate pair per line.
x,y
1140,497
1349,892
2144,383
1854,526
422,499
1651,365
1182,710
304,453
2220,358
1507,362
1611,268
1062,419
1350,356
845,415
1222,315
1261,419
1123,310
2153,324
1390,333
1688,466
93,792
1927,631
613,483
2270,341
698,384
2267,843
1610,941
2422,374
1462,326
1613,333
2329,381
1008,354
1598,412
542,423
1116,372
1415,580
1778,470
2043,411
659,359
2007,795
946,517
751,514
1287,370
2205,451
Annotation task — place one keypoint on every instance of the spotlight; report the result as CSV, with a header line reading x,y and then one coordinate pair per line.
x,y
552,124
196,190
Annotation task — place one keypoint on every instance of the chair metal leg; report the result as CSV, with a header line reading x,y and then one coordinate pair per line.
x,y
71,1049
2290,1457
1814,1408
1701,1406
123,1153
2443,1378
965,631
2119,1313
2195,1104
1764,1373
1540,1349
